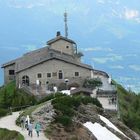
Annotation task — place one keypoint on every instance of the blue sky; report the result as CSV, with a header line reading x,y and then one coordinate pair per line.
x,y
106,31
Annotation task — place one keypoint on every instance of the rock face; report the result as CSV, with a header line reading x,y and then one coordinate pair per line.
x,y
44,114
77,132
84,113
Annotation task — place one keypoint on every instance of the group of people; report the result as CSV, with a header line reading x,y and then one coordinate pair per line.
x,y
26,123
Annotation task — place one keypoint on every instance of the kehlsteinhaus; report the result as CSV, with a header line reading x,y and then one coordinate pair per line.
x,y
57,64
53,64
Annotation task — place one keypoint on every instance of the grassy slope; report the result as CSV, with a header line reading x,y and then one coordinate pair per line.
x,y
12,97
9,88
129,105
10,135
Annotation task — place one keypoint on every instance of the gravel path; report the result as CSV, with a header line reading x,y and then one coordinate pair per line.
x,y
9,123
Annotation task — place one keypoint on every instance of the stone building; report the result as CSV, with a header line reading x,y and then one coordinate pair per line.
x,y
58,63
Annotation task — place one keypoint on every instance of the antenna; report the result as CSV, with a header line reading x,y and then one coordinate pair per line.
x,y
66,26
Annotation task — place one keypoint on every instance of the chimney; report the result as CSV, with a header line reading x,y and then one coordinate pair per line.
x,y
58,33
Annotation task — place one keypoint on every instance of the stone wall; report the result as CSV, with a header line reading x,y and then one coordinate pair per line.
x,y
63,46
53,67
8,78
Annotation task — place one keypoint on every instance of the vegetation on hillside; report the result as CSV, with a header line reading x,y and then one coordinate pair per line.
x,y
66,105
129,107
10,97
129,103
6,134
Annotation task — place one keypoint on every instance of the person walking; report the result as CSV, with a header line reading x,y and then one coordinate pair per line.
x,y
37,128
30,129
27,121
22,122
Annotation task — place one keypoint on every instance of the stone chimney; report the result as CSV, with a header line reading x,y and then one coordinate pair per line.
x,y
58,33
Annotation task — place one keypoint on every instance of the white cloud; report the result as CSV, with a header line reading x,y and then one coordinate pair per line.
x,y
100,60
129,83
101,1
126,13
135,67
114,57
54,6
97,49
131,14
127,79
109,57
117,67
131,55
117,2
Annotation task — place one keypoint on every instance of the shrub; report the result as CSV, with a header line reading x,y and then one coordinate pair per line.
x,y
64,120
47,98
92,83
66,106
65,110
3,112
6,134
129,104
87,100
51,96
13,97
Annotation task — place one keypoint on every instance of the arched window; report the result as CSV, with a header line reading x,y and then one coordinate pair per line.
x,y
25,80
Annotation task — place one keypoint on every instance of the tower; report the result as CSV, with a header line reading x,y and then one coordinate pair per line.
x,y
66,26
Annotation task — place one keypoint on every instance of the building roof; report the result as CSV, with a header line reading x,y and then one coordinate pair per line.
x,y
52,56
101,73
36,57
44,54
9,63
60,38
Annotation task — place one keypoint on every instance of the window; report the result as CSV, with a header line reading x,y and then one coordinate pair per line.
x,y
76,73
67,47
60,74
48,75
25,80
39,75
11,72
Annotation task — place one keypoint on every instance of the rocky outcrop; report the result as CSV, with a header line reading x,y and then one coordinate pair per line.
x,y
76,132
44,114
84,113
